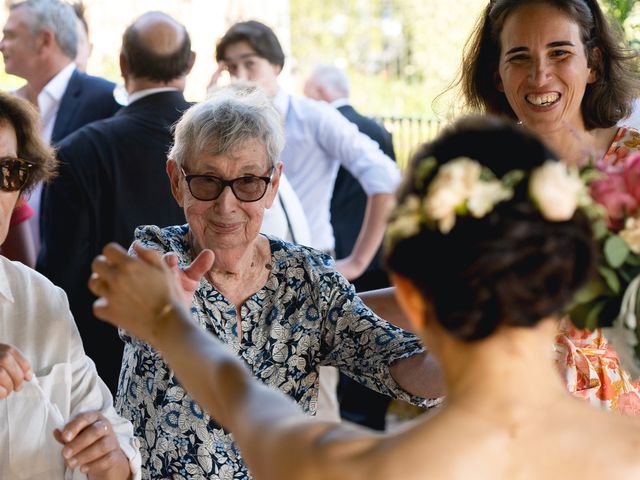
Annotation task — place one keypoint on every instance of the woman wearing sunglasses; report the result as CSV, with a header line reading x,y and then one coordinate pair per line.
x,y
56,415
483,260
282,308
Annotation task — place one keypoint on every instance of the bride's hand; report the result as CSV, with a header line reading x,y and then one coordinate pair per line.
x,y
135,293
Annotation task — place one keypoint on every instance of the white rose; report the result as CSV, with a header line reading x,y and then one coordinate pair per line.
x,y
555,190
485,196
406,220
631,234
450,189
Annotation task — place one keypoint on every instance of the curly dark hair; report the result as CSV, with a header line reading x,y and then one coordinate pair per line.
x,y
511,267
606,101
25,121
261,38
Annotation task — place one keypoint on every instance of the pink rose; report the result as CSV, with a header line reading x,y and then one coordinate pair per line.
x,y
611,192
631,175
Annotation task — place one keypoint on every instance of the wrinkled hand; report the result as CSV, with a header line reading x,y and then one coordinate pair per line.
x,y
90,444
189,277
14,369
134,292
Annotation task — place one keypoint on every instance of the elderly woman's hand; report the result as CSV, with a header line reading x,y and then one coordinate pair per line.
x,y
189,278
90,444
136,292
14,369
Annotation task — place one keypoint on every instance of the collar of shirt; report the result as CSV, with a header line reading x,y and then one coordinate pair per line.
x,y
339,102
137,95
281,102
50,96
5,287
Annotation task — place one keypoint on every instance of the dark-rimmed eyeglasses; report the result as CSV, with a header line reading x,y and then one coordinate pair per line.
x,y
14,173
249,188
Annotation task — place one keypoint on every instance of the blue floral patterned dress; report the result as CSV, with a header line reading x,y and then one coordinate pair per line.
x,y
305,316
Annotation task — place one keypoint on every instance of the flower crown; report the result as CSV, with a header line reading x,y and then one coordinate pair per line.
x,y
464,187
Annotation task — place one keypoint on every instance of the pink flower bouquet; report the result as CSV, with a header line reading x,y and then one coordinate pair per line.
x,y
610,298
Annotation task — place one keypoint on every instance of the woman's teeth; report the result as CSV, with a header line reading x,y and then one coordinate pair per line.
x,y
543,100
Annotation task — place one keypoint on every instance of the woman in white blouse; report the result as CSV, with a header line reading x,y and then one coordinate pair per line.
x,y
56,415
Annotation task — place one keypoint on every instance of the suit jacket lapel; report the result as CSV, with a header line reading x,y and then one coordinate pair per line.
x,y
68,107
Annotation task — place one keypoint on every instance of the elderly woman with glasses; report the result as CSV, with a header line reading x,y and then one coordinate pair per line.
x,y
282,308
56,416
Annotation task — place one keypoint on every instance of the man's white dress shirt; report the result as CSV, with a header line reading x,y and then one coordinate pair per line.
x,y
318,140
48,104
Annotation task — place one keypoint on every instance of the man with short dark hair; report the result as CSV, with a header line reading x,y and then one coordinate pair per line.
x,y
112,176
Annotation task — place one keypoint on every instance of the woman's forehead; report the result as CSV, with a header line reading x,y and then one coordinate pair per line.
x,y
540,21
249,155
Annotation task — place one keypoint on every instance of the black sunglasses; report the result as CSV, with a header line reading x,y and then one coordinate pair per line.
x,y
15,173
249,188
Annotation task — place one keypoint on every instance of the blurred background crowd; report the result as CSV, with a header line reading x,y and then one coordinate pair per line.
x,y
400,55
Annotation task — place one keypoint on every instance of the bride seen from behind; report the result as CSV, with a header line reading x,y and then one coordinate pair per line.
x,y
483,265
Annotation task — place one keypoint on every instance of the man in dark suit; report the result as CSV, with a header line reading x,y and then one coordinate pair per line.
x,y
39,44
85,100
112,176
348,208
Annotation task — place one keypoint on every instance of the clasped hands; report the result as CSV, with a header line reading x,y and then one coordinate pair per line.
x,y
135,292
90,443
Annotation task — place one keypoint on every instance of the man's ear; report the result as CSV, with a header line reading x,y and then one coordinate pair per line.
x,y
192,60
124,67
44,40
174,173
324,94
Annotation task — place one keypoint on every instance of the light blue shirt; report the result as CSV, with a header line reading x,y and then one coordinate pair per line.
x,y
318,141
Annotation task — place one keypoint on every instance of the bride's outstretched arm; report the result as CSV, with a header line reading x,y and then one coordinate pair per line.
x,y
142,296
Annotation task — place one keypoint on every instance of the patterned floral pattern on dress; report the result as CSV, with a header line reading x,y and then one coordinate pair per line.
x,y
589,366
626,141
305,316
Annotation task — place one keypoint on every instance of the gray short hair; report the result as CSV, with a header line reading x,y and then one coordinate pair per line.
x,y
55,16
225,122
333,79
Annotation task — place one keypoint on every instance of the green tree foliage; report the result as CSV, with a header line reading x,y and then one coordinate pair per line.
x,y
399,54
627,14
